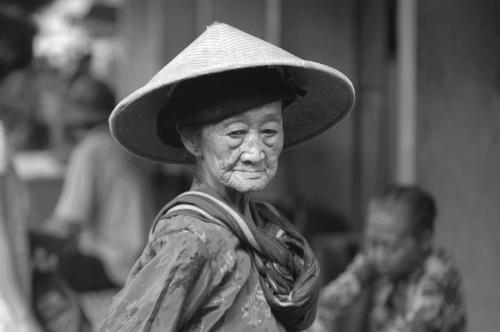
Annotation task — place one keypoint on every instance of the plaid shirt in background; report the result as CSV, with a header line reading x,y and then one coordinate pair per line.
x,y
429,299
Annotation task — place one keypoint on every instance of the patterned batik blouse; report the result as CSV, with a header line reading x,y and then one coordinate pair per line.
x,y
429,300
192,276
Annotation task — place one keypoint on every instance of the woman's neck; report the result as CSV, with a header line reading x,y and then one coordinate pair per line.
x,y
238,201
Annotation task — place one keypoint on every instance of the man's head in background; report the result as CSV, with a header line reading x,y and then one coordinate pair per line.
x,y
89,102
399,229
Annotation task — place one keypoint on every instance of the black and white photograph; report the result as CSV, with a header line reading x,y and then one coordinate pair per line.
x,y
249,165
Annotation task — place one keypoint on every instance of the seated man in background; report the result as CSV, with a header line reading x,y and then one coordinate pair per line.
x,y
105,200
99,224
413,286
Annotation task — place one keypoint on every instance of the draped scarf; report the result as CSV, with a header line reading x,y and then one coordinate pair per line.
x,y
288,270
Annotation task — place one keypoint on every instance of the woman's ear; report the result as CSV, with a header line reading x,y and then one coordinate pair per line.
x,y
190,139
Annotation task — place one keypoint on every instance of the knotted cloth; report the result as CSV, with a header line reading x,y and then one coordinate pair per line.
x,y
288,270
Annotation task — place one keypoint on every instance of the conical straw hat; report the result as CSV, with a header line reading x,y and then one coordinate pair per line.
x,y
329,97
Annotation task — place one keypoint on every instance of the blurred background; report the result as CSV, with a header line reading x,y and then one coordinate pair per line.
x,y
427,79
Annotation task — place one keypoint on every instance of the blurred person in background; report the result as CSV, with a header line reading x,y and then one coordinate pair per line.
x,y
99,224
105,203
16,37
413,285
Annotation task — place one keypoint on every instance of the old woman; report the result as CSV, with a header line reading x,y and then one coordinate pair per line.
x,y
215,260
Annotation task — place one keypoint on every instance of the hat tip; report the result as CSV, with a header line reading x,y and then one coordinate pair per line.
x,y
216,24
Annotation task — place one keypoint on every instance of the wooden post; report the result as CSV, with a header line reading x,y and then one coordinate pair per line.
x,y
406,103
204,14
273,21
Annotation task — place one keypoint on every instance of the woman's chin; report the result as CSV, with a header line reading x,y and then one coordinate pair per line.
x,y
249,186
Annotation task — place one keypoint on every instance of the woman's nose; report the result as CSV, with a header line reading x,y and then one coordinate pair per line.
x,y
253,149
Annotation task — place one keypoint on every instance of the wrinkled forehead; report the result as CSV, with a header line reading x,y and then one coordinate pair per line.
x,y
257,115
386,220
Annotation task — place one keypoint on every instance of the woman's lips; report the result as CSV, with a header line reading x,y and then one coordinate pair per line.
x,y
251,173
250,170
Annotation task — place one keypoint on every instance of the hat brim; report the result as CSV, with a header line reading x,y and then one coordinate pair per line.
x,y
330,96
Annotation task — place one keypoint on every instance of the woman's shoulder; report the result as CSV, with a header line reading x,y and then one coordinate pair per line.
x,y
183,239
212,235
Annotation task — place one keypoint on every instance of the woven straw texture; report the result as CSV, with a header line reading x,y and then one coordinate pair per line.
x,y
329,97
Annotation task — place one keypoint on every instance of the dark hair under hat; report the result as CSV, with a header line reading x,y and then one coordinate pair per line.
x,y
212,98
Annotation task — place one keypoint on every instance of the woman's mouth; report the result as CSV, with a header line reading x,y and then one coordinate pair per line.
x,y
251,173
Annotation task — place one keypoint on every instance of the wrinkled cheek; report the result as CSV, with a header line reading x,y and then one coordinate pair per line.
x,y
224,168
272,161
238,181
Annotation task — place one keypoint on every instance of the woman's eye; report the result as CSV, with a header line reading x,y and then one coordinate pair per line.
x,y
236,133
269,132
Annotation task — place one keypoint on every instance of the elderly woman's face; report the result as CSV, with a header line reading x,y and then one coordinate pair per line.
x,y
241,152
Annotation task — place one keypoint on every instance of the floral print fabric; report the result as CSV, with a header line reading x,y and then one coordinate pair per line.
x,y
192,276
429,299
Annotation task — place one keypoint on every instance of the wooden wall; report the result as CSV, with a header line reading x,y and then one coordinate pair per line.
x,y
458,140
